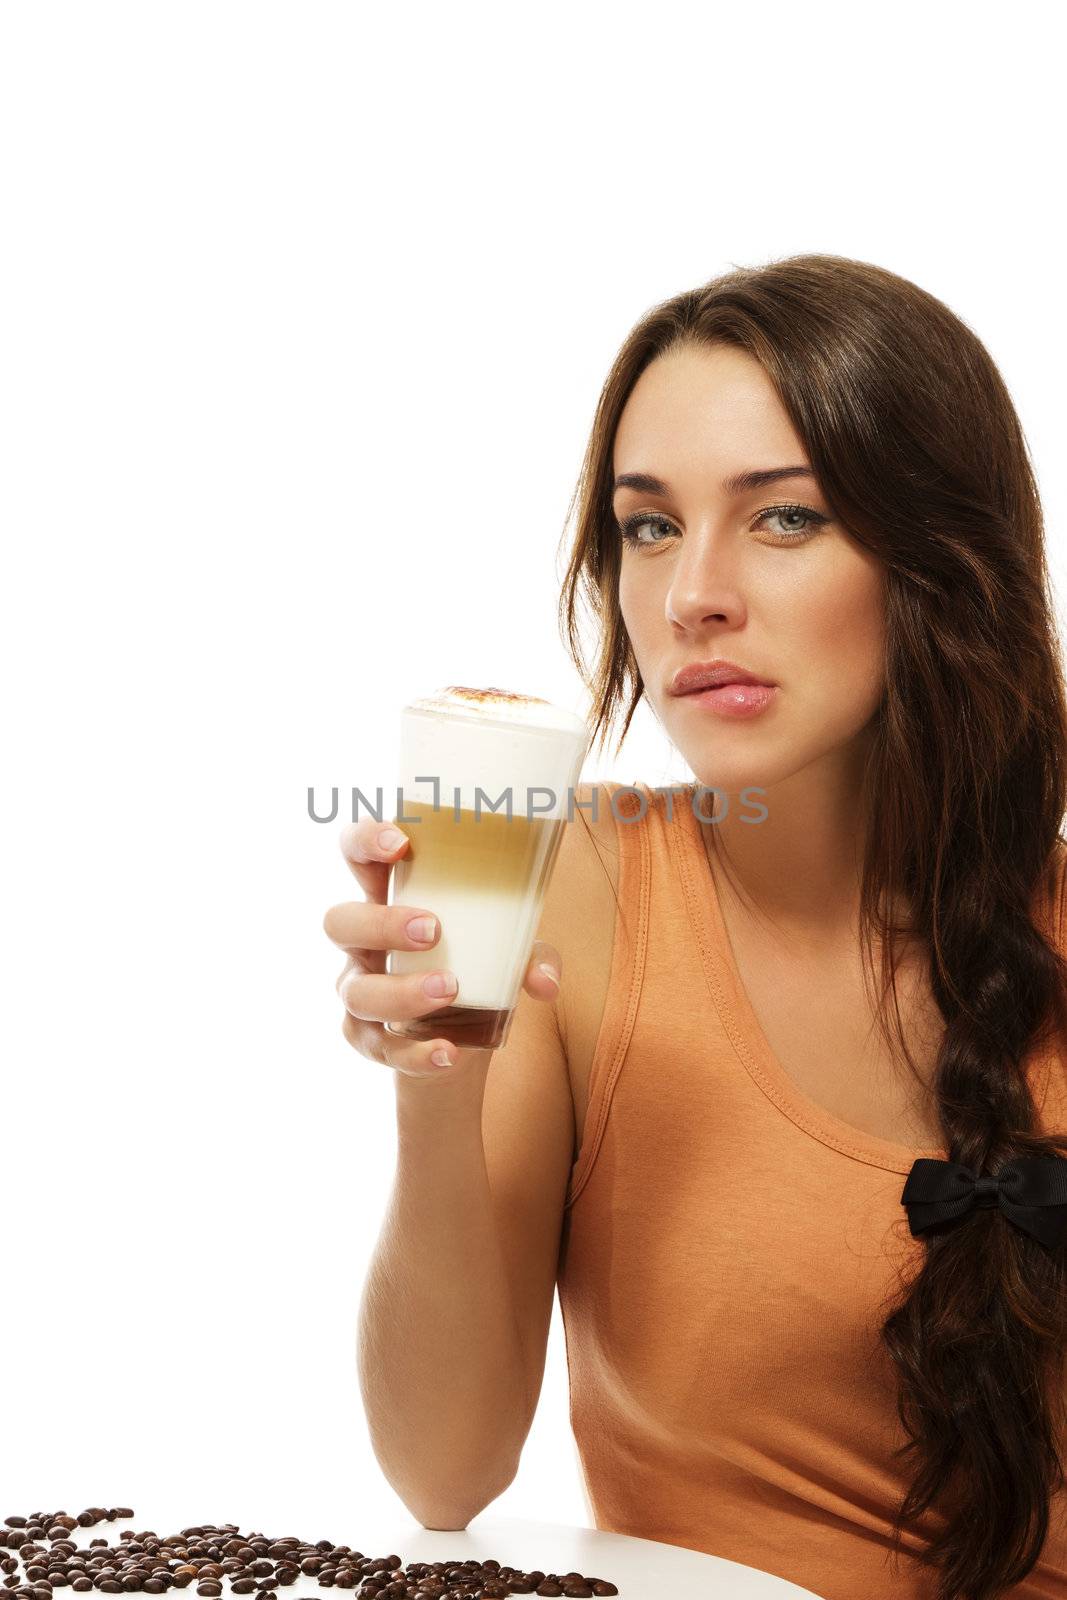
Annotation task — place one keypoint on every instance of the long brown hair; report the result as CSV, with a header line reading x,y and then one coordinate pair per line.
x,y
914,440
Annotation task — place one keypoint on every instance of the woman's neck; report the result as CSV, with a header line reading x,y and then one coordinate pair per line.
x,y
800,865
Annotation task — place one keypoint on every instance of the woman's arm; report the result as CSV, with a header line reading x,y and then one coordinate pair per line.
x,y
457,1304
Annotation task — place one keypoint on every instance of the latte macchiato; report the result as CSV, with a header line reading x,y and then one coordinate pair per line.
x,y
485,780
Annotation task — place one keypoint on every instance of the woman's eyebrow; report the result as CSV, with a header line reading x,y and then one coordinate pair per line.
x,y
645,483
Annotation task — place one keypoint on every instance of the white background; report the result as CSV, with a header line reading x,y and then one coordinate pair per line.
x,y
306,307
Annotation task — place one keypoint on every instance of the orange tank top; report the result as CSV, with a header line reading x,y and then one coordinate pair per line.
x,y
726,1253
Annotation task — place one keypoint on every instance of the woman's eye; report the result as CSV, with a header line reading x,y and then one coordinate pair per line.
x,y
628,529
790,529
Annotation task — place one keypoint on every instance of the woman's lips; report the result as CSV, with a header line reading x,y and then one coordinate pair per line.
x,y
733,699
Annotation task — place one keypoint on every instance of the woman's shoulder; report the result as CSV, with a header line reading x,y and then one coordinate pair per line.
x,y
590,844
583,894
578,918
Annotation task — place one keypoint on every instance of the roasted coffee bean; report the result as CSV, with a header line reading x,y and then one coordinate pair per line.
x,y
209,1586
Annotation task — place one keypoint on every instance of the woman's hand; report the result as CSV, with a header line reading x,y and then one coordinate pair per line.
x,y
367,929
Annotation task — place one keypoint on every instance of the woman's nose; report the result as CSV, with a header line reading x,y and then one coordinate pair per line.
x,y
702,590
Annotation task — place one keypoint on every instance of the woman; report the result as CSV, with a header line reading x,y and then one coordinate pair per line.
x,y
838,954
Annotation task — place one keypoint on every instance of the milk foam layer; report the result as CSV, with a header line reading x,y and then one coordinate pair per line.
x,y
495,741
497,705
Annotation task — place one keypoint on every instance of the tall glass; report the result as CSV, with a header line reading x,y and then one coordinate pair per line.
x,y
485,780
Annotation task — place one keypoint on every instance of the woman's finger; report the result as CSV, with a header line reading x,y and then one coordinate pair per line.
x,y
413,1057
395,997
368,857
370,925
544,971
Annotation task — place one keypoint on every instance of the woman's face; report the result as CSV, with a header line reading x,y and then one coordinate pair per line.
x,y
719,572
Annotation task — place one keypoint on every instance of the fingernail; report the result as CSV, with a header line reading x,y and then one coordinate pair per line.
x,y
441,1058
549,972
439,984
390,838
422,928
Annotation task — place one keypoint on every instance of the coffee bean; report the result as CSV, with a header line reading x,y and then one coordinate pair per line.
x,y
208,1553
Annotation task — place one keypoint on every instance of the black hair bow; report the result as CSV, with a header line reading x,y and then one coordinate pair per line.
x,y
1031,1191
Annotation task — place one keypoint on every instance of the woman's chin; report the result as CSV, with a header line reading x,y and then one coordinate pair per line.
x,y
732,777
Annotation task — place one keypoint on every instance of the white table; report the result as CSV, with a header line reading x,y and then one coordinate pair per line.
x,y
641,1568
